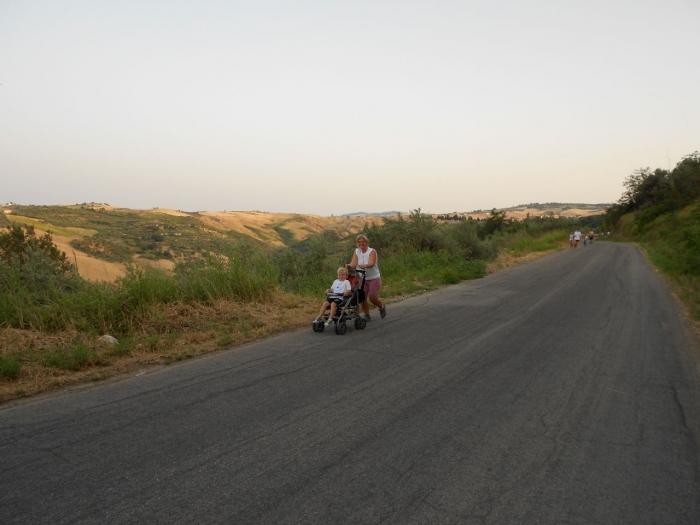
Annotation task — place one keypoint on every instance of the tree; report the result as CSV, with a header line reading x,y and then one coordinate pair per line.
x,y
685,179
494,222
19,242
651,194
34,268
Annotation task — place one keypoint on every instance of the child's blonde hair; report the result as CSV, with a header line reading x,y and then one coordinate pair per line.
x,y
343,270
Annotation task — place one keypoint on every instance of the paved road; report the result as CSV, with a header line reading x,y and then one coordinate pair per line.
x,y
561,391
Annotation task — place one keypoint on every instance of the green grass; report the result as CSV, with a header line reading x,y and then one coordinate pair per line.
x,y
125,346
10,367
152,342
523,243
672,242
225,340
410,273
77,358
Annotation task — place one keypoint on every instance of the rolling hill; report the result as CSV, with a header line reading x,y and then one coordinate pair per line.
x,y
102,239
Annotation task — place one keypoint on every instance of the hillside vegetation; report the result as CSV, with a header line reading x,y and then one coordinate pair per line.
x,y
225,288
117,234
102,240
541,210
660,210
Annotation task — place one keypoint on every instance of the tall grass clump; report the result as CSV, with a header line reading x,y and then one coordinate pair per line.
x,y
77,358
411,272
524,242
10,367
312,268
244,272
35,294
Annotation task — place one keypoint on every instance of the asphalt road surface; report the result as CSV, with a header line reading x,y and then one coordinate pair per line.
x,y
565,390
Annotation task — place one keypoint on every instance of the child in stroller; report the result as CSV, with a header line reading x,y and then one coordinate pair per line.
x,y
335,295
344,298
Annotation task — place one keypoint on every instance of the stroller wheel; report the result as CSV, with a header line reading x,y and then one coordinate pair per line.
x,y
341,328
321,327
314,325
361,323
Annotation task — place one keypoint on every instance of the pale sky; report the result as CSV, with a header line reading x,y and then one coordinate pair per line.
x,y
329,107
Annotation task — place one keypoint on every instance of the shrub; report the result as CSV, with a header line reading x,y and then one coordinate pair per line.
x,y
20,241
470,244
309,271
418,232
35,279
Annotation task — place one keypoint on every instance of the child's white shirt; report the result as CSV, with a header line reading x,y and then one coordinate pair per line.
x,y
339,287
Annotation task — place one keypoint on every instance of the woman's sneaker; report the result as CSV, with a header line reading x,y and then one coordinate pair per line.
x,y
382,312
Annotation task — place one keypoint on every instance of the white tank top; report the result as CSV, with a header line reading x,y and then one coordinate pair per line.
x,y
363,258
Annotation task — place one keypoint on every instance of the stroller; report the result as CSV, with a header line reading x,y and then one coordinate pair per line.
x,y
348,310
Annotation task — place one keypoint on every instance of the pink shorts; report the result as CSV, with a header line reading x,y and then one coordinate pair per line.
x,y
372,287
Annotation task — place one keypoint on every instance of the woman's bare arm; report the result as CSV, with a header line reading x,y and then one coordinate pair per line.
x,y
372,260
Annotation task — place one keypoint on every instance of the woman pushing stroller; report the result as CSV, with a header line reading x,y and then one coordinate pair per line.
x,y
365,258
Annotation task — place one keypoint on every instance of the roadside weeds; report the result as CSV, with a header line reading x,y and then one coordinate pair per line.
x,y
679,294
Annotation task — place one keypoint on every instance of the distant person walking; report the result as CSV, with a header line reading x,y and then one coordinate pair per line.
x,y
577,237
591,234
365,258
571,240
